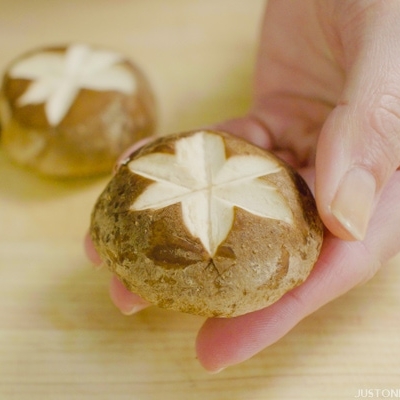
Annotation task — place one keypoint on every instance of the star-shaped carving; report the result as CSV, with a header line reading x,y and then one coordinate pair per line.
x,y
208,185
58,77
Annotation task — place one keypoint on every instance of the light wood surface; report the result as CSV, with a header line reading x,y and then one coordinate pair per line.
x,y
60,336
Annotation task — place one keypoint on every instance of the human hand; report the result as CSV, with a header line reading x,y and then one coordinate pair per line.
x,y
327,99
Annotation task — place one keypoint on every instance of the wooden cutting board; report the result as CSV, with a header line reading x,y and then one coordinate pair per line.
x,y
60,336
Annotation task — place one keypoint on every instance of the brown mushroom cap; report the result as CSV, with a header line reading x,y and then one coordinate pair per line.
x,y
226,239
69,111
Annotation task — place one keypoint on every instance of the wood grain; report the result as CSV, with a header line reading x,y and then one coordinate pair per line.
x,y
60,336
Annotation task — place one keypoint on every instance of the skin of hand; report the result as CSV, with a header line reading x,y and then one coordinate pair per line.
x,y
327,100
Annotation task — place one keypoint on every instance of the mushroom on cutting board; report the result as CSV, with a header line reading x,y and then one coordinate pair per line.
x,y
69,111
206,223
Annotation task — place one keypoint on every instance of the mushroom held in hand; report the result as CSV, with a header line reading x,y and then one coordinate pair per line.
x,y
70,111
207,223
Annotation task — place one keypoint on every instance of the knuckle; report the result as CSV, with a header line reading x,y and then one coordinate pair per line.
x,y
384,120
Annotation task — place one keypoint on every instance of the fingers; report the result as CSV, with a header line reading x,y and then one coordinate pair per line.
x,y
342,265
252,129
359,146
248,128
91,252
127,302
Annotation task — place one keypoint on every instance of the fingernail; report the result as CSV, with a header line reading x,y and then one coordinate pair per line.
x,y
98,267
133,309
216,371
352,204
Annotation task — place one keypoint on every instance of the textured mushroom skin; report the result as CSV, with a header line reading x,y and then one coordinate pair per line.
x,y
96,129
155,256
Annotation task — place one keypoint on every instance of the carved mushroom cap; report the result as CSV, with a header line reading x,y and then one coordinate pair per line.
x,y
207,223
71,110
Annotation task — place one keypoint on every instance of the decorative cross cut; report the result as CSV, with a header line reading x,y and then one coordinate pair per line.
x,y
208,186
58,77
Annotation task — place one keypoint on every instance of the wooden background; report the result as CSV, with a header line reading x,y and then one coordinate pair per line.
x,y
60,336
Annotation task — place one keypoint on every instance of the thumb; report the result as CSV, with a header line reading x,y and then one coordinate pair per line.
x,y
359,145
